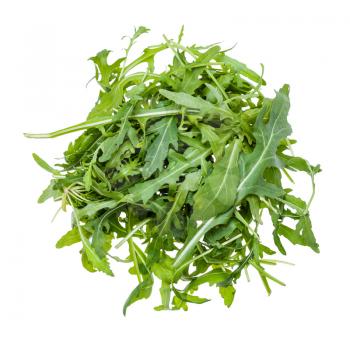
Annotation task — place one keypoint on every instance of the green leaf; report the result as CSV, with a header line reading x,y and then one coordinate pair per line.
x,y
99,263
142,291
49,192
191,80
192,102
191,241
94,260
144,190
237,272
101,242
268,136
105,71
228,294
93,207
302,235
240,68
190,184
218,193
295,203
188,298
220,232
213,277
209,135
45,165
69,238
158,150
111,144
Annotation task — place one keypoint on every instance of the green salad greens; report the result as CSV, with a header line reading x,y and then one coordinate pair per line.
x,y
179,166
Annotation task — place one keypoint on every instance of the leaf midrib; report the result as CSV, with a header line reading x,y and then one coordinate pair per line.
x,y
227,172
160,143
262,156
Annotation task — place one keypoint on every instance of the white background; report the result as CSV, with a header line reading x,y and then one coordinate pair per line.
x,y
46,296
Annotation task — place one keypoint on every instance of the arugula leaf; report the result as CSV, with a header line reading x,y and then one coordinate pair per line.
x,y
69,238
112,144
158,150
302,235
228,294
267,136
50,191
142,291
188,298
45,165
192,102
144,190
218,193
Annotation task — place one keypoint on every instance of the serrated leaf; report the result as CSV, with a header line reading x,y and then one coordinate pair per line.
x,y
49,192
158,150
111,144
144,190
302,235
101,242
94,259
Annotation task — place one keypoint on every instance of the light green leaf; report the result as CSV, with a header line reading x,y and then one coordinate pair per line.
x,y
45,165
302,235
192,102
188,298
49,192
191,80
212,277
100,264
69,238
104,71
101,242
240,68
228,294
268,136
218,193
142,291
93,207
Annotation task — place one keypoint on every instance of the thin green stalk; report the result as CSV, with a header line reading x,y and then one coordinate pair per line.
x,y
207,252
243,221
132,232
105,121
265,273
217,84
133,253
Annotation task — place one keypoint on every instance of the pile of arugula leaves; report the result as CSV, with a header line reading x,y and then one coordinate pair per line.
x,y
179,166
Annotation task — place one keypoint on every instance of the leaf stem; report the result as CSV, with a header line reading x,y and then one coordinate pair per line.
x,y
265,273
133,253
206,253
131,233
105,121
243,221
